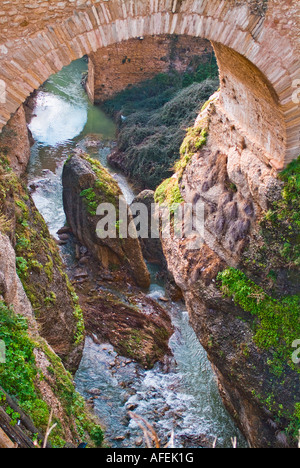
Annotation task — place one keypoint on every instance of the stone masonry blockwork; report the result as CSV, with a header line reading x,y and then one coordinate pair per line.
x,y
38,38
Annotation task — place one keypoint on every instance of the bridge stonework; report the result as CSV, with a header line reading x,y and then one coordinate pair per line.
x,y
257,43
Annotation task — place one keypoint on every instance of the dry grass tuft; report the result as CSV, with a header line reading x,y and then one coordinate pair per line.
x,y
151,438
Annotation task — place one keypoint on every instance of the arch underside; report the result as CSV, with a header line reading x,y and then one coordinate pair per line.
x,y
258,67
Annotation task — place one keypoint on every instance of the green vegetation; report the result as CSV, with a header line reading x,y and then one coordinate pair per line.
x,y
78,314
279,248
277,325
168,193
81,422
38,262
133,343
18,375
91,200
20,378
105,188
278,245
276,316
157,113
281,226
195,139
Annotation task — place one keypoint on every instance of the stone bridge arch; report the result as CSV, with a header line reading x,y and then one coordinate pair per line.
x,y
257,43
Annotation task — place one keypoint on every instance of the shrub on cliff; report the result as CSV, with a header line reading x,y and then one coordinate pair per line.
x,y
274,265
277,325
87,185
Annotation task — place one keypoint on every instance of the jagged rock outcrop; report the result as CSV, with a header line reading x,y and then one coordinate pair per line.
x,y
40,270
86,184
236,189
116,67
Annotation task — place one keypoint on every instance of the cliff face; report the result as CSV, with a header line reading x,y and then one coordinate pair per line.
x,y
33,375
11,288
41,320
236,188
41,271
14,142
37,257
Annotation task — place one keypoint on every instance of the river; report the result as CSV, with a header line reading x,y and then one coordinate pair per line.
x,y
181,397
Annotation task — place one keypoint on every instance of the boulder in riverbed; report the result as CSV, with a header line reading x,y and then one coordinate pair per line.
x,y
86,185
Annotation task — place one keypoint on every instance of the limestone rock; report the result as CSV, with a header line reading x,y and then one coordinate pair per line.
x,y
236,187
80,179
15,142
114,68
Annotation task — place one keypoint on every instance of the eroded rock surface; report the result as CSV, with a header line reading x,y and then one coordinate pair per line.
x,y
86,185
236,188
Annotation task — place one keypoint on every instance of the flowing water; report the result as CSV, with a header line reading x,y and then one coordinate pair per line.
x,y
63,120
182,394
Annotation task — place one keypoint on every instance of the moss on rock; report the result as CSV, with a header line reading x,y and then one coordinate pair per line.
x,y
40,269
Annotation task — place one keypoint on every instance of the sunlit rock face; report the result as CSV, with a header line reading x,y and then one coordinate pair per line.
x,y
236,189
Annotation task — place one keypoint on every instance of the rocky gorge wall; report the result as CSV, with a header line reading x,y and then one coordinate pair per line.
x,y
253,132
223,172
41,320
14,141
